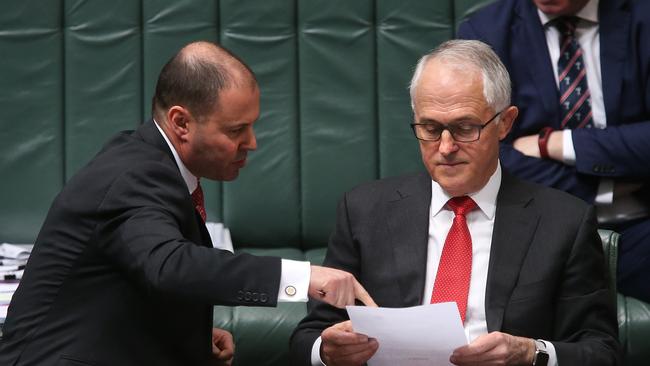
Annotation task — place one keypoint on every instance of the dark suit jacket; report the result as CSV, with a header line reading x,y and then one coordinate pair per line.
x,y
513,29
546,276
123,271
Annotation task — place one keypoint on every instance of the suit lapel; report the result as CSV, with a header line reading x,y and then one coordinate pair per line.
x,y
528,32
408,226
614,29
514,227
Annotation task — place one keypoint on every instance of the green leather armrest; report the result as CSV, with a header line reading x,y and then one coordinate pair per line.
x,y
633,314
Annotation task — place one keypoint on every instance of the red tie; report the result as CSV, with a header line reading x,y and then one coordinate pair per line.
x,y
455,267
197,199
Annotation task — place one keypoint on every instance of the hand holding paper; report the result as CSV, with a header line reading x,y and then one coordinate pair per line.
x,y
341,346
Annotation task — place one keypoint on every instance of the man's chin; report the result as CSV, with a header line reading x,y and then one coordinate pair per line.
x,y
224,176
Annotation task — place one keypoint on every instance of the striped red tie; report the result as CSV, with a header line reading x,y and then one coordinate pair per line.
x,y
455,268
197,200
575,99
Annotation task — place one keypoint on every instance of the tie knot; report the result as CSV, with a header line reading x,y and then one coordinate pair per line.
x,y
461,205
566,25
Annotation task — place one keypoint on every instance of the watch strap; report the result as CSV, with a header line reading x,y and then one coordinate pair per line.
x,y
542,141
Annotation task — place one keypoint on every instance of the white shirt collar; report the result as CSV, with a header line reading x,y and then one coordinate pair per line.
x,y
189,178
588,12
485,198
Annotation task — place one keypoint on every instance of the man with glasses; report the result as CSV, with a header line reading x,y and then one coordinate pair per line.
x,y
523,263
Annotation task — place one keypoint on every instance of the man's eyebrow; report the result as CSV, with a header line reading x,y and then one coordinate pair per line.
x,y
465,118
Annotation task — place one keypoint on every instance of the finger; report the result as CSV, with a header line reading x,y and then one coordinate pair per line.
x,y
350,355
344,326
363,295
340,338
225,354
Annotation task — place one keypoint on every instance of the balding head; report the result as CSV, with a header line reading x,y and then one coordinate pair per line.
x,y
195,76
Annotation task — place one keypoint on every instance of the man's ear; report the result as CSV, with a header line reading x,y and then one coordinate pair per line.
x,y
178,119
508,117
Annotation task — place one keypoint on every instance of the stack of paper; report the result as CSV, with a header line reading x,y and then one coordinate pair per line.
x,y
13,258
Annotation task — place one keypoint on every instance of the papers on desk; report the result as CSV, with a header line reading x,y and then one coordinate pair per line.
x,y
15,251
419,335
13,258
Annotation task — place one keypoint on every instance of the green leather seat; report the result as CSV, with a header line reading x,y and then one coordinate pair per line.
x,y
633,314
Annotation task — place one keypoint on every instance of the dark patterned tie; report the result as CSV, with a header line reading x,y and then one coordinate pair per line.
x,y
455,268
197,199
575,100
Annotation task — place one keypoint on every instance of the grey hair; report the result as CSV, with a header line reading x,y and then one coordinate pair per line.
x,y
462,53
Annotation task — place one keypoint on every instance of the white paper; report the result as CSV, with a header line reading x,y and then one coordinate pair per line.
x,y
15,251
420,335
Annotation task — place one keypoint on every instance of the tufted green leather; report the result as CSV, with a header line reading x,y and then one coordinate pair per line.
x,y
334,113
633,314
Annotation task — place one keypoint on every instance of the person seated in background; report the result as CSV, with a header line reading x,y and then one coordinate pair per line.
x,y
581,80
123,271
523,262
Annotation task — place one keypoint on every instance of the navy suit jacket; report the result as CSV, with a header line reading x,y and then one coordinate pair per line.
x,y
123,271
620,151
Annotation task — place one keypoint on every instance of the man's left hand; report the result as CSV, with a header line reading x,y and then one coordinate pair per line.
x,y
495,348
223,347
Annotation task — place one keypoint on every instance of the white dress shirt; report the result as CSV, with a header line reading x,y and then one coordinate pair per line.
x,y
295,275
480,223
589,39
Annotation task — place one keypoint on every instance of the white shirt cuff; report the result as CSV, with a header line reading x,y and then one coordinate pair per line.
x,y
568,151
552,356
294,281
315,353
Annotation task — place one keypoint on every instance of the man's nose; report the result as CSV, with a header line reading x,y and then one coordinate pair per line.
x,y
447,143
250,142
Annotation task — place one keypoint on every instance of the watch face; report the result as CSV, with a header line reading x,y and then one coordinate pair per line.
x,y
541,358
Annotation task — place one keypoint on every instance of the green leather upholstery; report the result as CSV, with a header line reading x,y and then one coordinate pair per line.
x,y
633,314
335,112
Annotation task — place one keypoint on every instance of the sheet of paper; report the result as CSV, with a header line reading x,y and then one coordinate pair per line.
x,y
15,251
419,335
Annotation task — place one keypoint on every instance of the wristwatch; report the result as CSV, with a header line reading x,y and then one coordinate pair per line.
x,y
542,141
541,356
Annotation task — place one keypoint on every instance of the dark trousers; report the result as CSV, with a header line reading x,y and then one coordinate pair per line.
x,y
633,269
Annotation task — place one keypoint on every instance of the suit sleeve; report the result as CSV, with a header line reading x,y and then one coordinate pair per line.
x,y
585,306
148,218
342,254
616,151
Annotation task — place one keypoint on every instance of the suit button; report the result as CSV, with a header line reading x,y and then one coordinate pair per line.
x,y
247,296
240,295
256,296
264,297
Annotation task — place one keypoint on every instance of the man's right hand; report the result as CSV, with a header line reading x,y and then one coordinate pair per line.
x,y
337,288
341,346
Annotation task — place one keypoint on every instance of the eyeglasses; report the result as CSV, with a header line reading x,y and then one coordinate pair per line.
x,y
460,131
